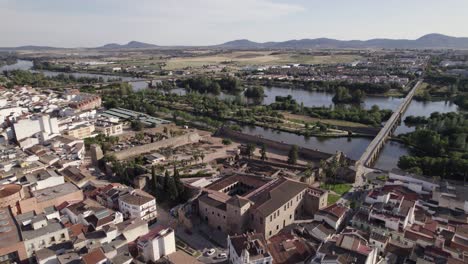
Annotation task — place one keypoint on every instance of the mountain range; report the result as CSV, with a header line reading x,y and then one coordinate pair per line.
x,y
430,41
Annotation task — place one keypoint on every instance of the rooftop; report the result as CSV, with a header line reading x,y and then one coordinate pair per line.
x,y
136,199
55,191
270,198
253,243
9,233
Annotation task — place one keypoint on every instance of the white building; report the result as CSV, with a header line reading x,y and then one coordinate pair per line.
x,y
134,205
250,248
333,215
41,231
43,127
157,244
42,179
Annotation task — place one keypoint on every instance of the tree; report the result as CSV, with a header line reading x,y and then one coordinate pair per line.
x,y
263,154
250,150
139,136
179,185
154,178
254,92
137,125
172,189
226,141
167,177
293,155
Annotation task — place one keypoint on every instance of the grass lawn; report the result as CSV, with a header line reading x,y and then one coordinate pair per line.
x,y
334,122
332,198
339,188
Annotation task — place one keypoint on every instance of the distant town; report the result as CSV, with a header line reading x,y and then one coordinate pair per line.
x,y
234,154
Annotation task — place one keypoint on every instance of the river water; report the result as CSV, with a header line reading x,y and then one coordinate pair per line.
x,y
27,65
353,147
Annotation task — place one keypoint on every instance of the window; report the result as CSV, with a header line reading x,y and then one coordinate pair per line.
x,y
284,207
269,233
62,236
290,216
271,218
277,227
261,220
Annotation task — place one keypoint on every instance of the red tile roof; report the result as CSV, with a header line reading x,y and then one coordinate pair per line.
x,y
94,256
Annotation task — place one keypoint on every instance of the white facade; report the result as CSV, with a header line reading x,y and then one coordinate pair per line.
x,y
146,211
48,182
328,220
29,127
160,245
416,185
11,112
244,258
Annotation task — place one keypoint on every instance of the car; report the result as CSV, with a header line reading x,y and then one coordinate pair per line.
x,y
222,256
210,252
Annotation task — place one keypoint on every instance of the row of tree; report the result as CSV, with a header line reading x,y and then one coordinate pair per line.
x,y
344,96
441,143
204,84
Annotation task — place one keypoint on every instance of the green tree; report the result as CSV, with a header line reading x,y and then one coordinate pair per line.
x,y
263,153
250,150
137,125
172,189
154,178
293,155
167,177
139,136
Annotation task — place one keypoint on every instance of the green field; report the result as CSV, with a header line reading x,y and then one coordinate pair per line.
x,y
333,122
339,188
332,198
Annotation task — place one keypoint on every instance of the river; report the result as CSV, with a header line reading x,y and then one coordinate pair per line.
x,y
353,147
27,65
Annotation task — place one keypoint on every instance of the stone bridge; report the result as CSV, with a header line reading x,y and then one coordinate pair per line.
x,y
372,151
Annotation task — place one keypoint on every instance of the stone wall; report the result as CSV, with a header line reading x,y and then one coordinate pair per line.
x,y
304,153
188,138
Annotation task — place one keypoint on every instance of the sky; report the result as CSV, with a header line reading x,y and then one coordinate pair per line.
x,y
91,23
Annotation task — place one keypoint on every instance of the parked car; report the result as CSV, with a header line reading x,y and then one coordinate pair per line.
x,y
222,256
210,252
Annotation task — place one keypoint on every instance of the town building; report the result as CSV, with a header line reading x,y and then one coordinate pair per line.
x,y
138,205
238,203
40,231
81,131
248,248
11,245
333,215
157,243
51,196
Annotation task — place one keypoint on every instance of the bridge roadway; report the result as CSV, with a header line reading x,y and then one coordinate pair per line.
x,y
371,153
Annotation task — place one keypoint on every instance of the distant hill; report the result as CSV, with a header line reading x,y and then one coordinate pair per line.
x,y
29,47
129,45
430,41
